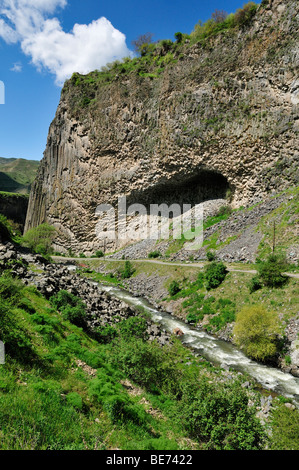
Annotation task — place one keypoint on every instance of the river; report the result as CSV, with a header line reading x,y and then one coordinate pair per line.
x,y
217,351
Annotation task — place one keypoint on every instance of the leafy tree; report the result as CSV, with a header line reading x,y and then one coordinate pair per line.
x,y
256,330
39,239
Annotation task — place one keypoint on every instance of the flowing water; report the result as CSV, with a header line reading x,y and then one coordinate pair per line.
x,y
217,351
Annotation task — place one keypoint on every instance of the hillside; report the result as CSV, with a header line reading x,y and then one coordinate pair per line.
x,y
17,174
84,371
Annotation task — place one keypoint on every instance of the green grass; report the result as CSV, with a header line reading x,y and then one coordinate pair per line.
x,y
17,174
61,389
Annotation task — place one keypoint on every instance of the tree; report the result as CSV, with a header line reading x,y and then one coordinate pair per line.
x,y
39,239
271,271
256,330
215,274
219,16
141,43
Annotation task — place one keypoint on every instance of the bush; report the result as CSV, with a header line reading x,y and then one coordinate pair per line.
x,y
128,270
254,284
75,315
104,334
256,331
243,16
270,271
220,419
154,254
174,288
215,274
210,256
39,239
133,326
71,307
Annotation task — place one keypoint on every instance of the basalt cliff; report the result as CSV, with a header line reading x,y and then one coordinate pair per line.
x,y
185,123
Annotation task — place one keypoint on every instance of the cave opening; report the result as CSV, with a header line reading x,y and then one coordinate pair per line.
x,y
204,186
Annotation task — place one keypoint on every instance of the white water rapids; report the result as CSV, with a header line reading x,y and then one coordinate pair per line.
x,y
217,351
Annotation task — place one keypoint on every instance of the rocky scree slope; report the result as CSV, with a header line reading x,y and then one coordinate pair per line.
x,y
212,122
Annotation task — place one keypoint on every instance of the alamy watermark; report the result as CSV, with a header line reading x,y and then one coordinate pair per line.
x,y
159,221
2,93
2,353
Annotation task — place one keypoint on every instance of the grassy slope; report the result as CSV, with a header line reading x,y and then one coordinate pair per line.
x,y
17,175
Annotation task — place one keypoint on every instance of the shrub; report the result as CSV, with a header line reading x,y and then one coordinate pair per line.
x,y
243,16
256,330
104,334
220,419
99,254
64,299
270,271
215,274
174,288
128,270
254,284
39,239
210,256
133,326
154,254
192,318
75,315
71,307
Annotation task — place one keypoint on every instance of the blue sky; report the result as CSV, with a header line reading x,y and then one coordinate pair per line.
x,y
40,48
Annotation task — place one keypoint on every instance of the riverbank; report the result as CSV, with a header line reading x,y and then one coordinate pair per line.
x,y
152,278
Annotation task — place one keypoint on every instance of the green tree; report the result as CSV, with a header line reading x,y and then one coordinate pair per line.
x,y
215,274
271,271
39,239
256,330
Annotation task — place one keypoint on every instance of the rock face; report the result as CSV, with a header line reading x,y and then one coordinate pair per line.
x,y
221,119
14,207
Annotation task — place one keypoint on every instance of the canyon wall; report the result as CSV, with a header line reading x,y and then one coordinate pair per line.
x,y
218,120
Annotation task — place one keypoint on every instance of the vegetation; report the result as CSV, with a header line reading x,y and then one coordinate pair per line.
x,y
62,389
271,271
215,274
40,239
128,270
17,174
256,331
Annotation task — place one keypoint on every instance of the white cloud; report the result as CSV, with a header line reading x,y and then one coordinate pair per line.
x,y
85,48
17,67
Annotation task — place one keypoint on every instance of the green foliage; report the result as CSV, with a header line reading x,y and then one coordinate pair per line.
x,y
244,16
254,284
104,334
75,400
71,307
256,330
40,239
270,271
285,428
128,270
154,254
215,274
220,418
133,326
211,256
174,288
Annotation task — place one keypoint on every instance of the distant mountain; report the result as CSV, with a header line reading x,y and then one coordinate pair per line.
x,y
17,174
